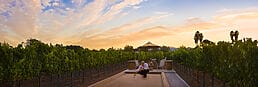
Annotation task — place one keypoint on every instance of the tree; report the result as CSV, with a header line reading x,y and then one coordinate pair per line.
x,y
128,48
102,50
74,47
236,35
198,37
232,34
207,42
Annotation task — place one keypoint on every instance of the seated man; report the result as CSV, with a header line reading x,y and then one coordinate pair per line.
x,y
143,69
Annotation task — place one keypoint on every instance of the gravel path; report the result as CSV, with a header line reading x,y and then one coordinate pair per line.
x,y
175,80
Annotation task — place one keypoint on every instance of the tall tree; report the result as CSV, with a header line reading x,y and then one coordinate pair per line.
x,y
196,37
232,34
236,35
200,37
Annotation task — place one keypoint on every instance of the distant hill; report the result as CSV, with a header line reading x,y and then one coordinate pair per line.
x,y
173,48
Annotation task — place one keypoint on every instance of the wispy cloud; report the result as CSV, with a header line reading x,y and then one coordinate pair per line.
x,y
161,12
93,14
237,16
136,24
21,18
59,18
118,8
126,32
223,19
191,24
121,40
93,23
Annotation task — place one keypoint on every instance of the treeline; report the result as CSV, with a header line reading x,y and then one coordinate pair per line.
x,y
235,63
35,58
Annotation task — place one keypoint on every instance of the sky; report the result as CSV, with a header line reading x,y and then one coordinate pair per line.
x,y
97,24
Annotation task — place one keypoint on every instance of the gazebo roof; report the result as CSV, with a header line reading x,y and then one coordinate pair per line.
x,y
149,44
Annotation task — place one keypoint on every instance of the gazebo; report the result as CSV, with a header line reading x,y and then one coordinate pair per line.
x,y
149,47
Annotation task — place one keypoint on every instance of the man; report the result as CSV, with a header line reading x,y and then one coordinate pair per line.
x,y
143,69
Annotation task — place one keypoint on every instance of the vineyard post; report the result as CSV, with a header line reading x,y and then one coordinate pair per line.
x,y
98,72
51,80
212,80
191,75
188,72
82,75
19,83
224,84
91,73
112,68
39,81
71,78
203,78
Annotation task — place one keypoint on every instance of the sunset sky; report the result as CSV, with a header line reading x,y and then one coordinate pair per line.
x,y
99,24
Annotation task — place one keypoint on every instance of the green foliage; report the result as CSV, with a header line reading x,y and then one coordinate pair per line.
x,y
34,58
6,58
235,63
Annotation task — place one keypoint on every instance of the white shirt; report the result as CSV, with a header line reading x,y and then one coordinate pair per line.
x,y
145,66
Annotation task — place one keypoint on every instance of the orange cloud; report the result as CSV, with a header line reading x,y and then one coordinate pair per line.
x,y
115,41
149,33
119,36
229,16
55,30
123,34
135,24
224,19
192,27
